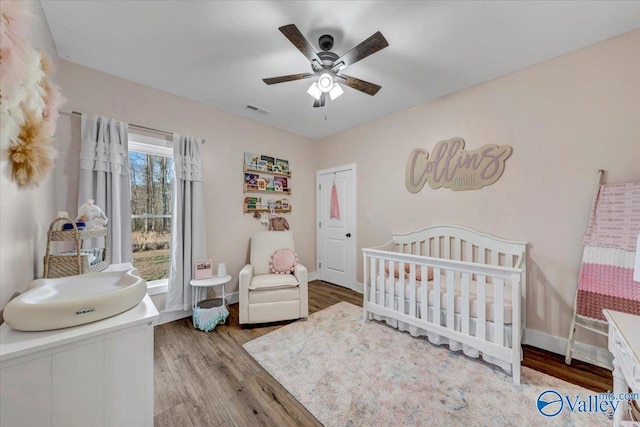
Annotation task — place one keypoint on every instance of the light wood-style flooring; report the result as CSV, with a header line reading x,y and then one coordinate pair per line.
x,y
207,379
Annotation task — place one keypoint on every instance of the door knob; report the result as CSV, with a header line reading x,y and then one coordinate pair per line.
x,y
348,235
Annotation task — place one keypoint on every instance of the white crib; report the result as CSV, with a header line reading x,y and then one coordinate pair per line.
x,y
481,276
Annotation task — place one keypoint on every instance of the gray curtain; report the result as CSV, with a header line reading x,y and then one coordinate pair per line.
x,y
188,226
104,177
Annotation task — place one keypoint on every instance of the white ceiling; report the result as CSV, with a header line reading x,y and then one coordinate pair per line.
x,y
218,52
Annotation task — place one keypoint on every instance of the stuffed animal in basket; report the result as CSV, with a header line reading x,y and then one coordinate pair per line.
x,y
92,215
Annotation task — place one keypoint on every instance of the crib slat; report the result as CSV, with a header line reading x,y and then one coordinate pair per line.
x,y
481,327
381,284
495,256
436,247
515,327
450,300
374,280
458,251
424,289
447,247
400,306
391,299
464,310
412,289
436,297
365,280
469,256
498,310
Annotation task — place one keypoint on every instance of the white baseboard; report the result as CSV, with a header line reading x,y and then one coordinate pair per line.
x,y
359,287
312,276
233,298
558,345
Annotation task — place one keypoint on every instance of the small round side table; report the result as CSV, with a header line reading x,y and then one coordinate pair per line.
x,y
199,289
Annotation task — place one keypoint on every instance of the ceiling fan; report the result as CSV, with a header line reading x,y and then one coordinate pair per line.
x,y
328,67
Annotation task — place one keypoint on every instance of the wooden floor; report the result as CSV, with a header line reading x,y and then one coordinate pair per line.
x,y
207,379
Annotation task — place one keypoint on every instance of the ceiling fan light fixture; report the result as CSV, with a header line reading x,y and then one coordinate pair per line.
x,y
314,90
325,82
335,91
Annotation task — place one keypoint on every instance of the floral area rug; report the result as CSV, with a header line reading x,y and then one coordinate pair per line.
x,y
348,372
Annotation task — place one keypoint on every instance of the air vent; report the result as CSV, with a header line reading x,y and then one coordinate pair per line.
x,y
257,110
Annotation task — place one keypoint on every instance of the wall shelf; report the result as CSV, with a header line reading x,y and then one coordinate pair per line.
x,y
254,189
263,208
263,177
251,170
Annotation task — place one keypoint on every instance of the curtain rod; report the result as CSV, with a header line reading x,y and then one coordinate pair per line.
x,y
148,129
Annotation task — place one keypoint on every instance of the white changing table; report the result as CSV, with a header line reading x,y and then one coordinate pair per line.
x,y
624,344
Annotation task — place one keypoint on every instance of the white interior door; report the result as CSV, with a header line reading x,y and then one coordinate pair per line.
x,y
336,238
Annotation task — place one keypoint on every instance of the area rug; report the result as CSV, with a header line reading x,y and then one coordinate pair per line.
x,y
348,372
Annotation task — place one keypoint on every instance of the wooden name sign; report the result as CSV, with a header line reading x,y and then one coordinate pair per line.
x,y
451,166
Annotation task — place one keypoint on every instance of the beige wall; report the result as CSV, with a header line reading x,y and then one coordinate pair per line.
x,y
25,214
228,137
565,118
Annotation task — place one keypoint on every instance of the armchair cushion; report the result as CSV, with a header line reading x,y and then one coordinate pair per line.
x,y
273,281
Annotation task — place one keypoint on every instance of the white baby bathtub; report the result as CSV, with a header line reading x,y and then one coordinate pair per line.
x,y
75,300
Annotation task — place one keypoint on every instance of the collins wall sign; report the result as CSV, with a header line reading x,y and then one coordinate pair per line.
x,y
451,166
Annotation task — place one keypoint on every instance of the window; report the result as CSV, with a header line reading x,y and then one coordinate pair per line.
x,y
151,176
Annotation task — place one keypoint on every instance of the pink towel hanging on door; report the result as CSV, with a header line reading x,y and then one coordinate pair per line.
x,y
335,207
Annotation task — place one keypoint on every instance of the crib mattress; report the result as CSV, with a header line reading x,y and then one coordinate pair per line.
x,y
473,297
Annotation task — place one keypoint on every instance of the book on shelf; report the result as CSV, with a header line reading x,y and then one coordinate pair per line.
x,y
270,184
270,161
251,202
282,166
251,160
283,182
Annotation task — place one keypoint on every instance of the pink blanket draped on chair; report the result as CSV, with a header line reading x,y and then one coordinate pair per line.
x,y
606,274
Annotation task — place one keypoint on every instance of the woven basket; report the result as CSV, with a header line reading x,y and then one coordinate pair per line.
x,y
67,265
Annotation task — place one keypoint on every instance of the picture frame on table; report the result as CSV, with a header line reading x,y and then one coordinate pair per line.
x,y
282,165
203,269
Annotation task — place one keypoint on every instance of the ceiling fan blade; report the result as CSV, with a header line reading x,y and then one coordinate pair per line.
x,y
289,78
368,47
361,85
319,102
295,36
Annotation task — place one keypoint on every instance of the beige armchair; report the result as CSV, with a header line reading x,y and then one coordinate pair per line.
x,y
267,297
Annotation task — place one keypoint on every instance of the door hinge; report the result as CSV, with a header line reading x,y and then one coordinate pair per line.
x,y
319,225
319,186
319,265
